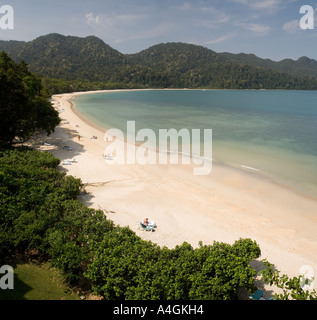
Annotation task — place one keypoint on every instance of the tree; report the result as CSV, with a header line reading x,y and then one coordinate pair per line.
x,y
24,109
293,288
40,213
126,267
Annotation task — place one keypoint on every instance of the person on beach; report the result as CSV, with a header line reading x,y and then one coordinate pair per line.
x,y
79,138
148,223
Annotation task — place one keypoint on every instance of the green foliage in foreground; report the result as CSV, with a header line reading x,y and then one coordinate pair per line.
x,y
39,212
293,288
126,267
24,107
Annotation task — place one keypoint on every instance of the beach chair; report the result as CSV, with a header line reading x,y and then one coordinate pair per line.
x,y
257,295
146,228
152,224
66,163
108,157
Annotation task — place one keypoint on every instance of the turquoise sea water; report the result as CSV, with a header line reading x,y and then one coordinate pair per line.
x,y
274,132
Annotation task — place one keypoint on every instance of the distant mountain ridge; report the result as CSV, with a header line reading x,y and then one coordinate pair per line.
x,y
304,66
58,56
72,63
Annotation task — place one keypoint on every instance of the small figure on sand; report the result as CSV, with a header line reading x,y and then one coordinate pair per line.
x,y
148,223
78,137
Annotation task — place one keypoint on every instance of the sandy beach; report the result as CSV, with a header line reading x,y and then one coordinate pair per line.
x,y
229,204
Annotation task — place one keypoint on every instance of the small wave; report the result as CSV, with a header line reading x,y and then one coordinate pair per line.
x,y
189,155
250,168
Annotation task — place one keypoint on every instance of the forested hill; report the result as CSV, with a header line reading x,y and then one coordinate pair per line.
x,y
58,56
301,67
68,63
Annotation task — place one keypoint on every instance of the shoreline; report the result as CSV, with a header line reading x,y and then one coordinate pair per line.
x,y
270,177
231,204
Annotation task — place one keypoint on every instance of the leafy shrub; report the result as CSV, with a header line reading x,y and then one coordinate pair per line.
x,y
31,193
39,210
124,269
293,288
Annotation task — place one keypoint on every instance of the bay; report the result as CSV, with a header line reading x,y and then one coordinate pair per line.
x,y
272,133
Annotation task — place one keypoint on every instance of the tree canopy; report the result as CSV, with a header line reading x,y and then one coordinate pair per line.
x,y
77,64
39,212
24,107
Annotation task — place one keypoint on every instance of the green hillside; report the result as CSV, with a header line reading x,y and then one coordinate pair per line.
x,y
68,63
302,67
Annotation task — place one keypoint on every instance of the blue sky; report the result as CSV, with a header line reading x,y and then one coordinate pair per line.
x,y
267,28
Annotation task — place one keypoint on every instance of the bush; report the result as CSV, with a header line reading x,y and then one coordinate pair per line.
x,y
293,288
39,211
125,267
31,194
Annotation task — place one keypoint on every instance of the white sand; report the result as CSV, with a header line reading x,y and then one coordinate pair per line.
x,y
225,206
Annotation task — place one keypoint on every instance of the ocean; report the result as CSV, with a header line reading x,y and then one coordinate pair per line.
x,y
271,133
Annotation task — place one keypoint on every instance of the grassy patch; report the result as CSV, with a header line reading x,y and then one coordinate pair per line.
x,y
37,282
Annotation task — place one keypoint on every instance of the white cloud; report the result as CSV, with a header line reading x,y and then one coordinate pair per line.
x,y
206,13
267,6
264,5
106,21
124,27
99,21
91,19
215,16
186,6
259,29
218,40
291,26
